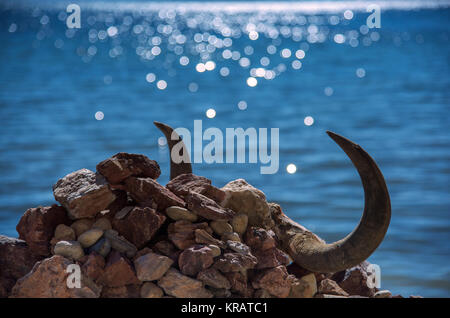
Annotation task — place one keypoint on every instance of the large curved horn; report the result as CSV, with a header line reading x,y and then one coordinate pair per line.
x,y
175,168
312,253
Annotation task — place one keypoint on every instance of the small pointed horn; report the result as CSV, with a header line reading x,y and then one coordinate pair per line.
x,y
172,139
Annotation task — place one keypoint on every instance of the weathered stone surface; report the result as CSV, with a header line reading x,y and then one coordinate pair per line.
x,y
83,194
216,251
140,225
142,252
93,265
152,266
305,287
120,244
328,286
235,262
176,284
207,208
48,279
150,290
118,272
181,233
383,294
185,183
81,226
90,237
259,239
357,280
16,260
178,213
239,223
123,165
69,249
241,197
220,227
212,277
102,247
195,259
328,296
168,249
102,224
123,212
37,226
142,189
238,282
233,236
203,237
275,281
128,291
272,257
64,233
238,247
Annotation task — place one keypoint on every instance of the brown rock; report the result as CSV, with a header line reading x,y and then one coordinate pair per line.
x,y
90,237
177,213
152,266
184,183
262,293
93,265
220,227
48,279
118,272
297,270
128,291
239,223
83,194
37,226
181,233
235,262
195,259
142,189
271,258
168,249
140,225
275,281
16,260
206,207
64,233
212,277
102,224
150,290
176,284
328,286
259,239
305,287
123,165
239,284
238,247
142,252
233,236
120,244
203,237
82,225
357,280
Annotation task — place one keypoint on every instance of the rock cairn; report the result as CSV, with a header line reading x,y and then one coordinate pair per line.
x,y
132,237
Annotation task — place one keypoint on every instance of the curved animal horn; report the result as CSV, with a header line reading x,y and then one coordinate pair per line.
x,y
175,168
312,253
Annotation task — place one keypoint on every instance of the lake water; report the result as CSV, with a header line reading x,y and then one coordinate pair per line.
x,y
71,98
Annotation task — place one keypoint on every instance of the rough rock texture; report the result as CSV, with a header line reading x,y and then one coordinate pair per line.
x,y
220,227
143,189
235,262
120,244
178,285
328,286
82,225
238,282
204,237
178,213
152,266
275,281
207,208
48,279
195,259
168,249
241,197
118,272
64,233
181,233
259,239
83,194
185,183
102,247
305,287
93,265
150,290
139,226
239,223
69,249
16,260
357,280
127,291
272,257
123,165
37,226
212,277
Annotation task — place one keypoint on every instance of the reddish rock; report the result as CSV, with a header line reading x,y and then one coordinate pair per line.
x,y
168,249
118,272
93,265
48,279
123,165
271,258
212,277
235,262
16,260
195,259
357,280
143,189
139,226
275,281
181,233
120,244
128,291
184,183
238,282
37,225
142,252
83,194
207,207
118,204
178,285
328,286
259,239
297,270
152,266
203,237
303,287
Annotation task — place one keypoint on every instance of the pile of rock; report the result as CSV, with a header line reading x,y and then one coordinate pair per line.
x,y
132,237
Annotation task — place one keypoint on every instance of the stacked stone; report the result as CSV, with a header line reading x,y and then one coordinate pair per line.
x,y
133,237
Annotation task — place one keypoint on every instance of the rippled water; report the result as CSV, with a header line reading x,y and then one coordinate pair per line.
x,y
130,64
